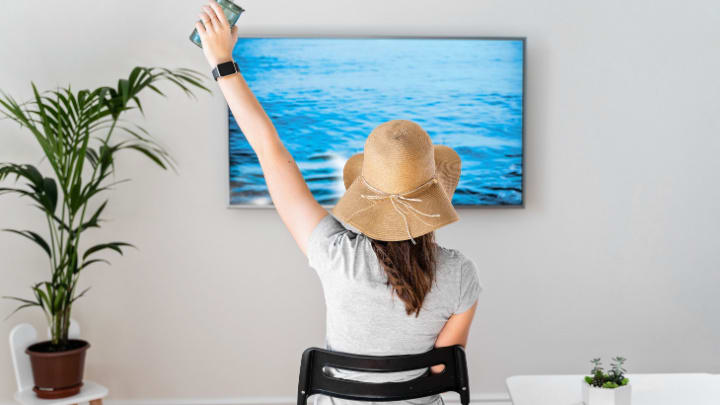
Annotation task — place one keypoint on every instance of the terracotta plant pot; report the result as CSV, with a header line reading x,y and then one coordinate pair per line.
x,y
57,374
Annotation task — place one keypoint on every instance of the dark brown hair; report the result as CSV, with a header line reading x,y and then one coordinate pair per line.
x,y
410,268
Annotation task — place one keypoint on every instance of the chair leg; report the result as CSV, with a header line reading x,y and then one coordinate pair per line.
x,y
96,401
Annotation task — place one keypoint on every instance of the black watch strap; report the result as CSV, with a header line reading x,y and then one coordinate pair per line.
x,y
225,69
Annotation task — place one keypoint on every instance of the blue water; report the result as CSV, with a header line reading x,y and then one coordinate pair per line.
x,y
325,95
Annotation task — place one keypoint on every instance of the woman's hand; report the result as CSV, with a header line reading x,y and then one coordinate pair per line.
x,y
218,39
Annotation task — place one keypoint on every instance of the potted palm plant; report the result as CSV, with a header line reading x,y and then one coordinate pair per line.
x,y
80,133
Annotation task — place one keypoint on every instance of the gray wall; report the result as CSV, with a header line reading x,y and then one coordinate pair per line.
x,y
615,252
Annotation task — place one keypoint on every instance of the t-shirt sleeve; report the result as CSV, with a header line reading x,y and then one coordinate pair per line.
x,y
470,286
324,243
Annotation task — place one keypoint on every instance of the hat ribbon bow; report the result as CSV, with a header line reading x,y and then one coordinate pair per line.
x,y
399,200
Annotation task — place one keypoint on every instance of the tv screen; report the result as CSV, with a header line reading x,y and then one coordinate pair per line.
x,y
325,95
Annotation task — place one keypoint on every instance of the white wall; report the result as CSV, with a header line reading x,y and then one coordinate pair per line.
x,y
615,252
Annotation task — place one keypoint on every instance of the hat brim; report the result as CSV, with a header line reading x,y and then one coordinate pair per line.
x,y
379,218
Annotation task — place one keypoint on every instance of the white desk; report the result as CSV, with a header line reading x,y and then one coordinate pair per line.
x,y
647,389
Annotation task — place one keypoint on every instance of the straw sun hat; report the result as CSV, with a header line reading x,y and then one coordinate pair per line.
x,y
401,186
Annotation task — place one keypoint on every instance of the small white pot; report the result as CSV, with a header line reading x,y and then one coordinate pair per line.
x,y
606,396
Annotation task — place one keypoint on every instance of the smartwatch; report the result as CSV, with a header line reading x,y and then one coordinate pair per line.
x,y
225,69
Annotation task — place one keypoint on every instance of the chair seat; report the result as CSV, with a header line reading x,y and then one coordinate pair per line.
x,y
88,392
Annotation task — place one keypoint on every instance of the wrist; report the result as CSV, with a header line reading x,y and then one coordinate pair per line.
x,y
225,69
216,61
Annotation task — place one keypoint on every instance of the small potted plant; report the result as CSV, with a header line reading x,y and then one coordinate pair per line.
x,y
80,134
611,388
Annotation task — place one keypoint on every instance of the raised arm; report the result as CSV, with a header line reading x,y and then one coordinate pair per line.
x,y
292,197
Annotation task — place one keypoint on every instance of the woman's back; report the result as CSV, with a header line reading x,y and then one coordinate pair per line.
x,y
365,317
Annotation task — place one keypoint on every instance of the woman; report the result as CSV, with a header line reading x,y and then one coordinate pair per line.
x,y
389,289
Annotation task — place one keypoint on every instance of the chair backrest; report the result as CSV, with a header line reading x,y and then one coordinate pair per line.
x,y
313,380
22,336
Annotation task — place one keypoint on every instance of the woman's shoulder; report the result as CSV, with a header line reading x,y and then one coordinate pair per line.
x,y
449,256
331,229
454,265
461,274
330,243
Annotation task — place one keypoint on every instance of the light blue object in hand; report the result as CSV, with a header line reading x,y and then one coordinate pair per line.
x,y
232,12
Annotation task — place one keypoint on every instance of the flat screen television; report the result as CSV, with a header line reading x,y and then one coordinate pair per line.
x,y
325,95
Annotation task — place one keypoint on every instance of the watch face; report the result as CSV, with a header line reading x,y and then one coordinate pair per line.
x,y
226,68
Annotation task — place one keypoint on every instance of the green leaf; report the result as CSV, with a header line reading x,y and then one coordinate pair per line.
x,y
23,300
70,107
156,90
134,74
80,295
94,221
42,297
91,261
33,174
33,237
51,194
116,246
124,90
27,172
7,190
92,156
21,307
149,153
74,200
139,106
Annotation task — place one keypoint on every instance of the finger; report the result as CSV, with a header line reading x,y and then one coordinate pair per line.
x,y
213,21
200,29
213,17
206,21
234,32
220,14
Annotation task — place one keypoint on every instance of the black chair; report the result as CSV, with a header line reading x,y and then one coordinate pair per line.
x,y
314,381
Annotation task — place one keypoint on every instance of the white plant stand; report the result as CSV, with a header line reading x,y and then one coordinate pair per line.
x,y
22,336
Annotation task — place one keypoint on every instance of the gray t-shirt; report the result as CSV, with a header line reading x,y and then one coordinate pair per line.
x,y
364,317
